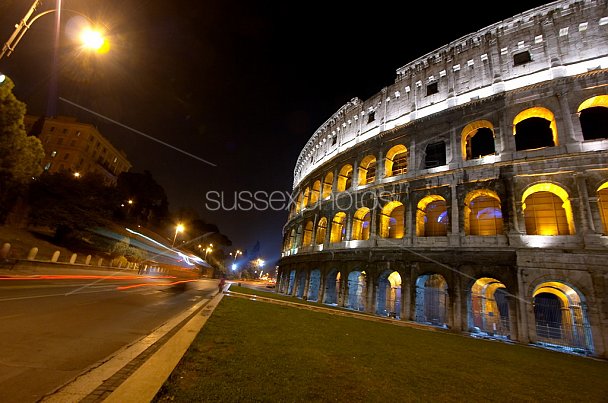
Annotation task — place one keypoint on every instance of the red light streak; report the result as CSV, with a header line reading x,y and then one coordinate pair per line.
x,y
126,287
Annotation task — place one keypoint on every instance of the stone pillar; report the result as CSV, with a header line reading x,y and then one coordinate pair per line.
x,y
87,261
380,166
343,291
32,254
564,107
586,218
55,256
524,312
306,286
513,322
370,298
598,318
73,258
355,175
457,303
454,233
349,225
322,287
100,262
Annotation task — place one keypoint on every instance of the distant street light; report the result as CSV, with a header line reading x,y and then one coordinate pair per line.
x,y
209,249
178,228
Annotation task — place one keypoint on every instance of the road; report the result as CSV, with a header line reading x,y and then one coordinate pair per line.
x,y
53,328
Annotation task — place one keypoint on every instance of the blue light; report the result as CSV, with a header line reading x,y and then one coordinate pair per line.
x,y
233,266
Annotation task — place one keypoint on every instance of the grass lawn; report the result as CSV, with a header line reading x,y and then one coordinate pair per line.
x,y
257,351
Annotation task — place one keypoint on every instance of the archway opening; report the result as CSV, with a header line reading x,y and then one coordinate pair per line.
x,y
477,140
328,184
534,128
392,220
357,291
307,239
602,200
432,217
314,194
345,178
396,161
314,285
546,213
388,295
332,287
482,213
367,170
561,318
593,115
301,284
489,308
292,281
321,231
361,224
338,228
431,300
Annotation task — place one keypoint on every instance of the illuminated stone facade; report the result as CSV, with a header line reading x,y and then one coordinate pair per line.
x,y
76,147
471,194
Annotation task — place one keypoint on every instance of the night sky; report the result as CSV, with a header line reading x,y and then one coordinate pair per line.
x,y
241,84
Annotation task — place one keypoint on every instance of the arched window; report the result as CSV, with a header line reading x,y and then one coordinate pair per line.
x,y
328,184
602,200
561,316
489,308
392,220
535,128
307,240
432,217
321,231
396,161
477,140
547,210
434,155
482,213
367,170
338,228
345,178
305,198
299,203
593,115
316,190
361,224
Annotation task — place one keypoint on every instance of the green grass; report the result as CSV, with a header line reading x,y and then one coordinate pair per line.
x,y
256,351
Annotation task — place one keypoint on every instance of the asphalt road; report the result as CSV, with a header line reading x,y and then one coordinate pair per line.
x,y
54,328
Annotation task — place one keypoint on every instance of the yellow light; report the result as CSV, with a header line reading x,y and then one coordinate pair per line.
x,y
179,228
130,201
77,174
92,40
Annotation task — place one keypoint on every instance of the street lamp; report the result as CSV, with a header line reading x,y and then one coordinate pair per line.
x,y
178,228
91,39
209,249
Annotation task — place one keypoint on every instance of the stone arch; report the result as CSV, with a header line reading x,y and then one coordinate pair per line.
x,y
536,116
593,116
357,290
307,238
321,231
541,199
299,202
602,201
396,161
367,170
388,294
432,299
475,142
332,287
431,216
328,183
315,192
305,198
291,282
301,283
313,285
560,314
488,308
482,213
299,231
392,220
345,178
361,224
338,228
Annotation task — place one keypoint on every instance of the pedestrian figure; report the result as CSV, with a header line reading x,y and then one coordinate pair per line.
x,y
221,284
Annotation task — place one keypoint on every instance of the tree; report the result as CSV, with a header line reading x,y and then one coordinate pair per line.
x,y
149,200
71,205
20,155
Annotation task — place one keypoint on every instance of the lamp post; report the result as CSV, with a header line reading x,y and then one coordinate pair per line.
x,y
178,228
209,249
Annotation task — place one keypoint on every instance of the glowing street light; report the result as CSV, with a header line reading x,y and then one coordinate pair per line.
x,y
209,249
92,39
178,228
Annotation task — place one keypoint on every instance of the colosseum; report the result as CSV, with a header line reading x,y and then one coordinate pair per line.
x,y
472,193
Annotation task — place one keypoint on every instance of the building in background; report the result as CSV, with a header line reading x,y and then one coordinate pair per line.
x,y
76,147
